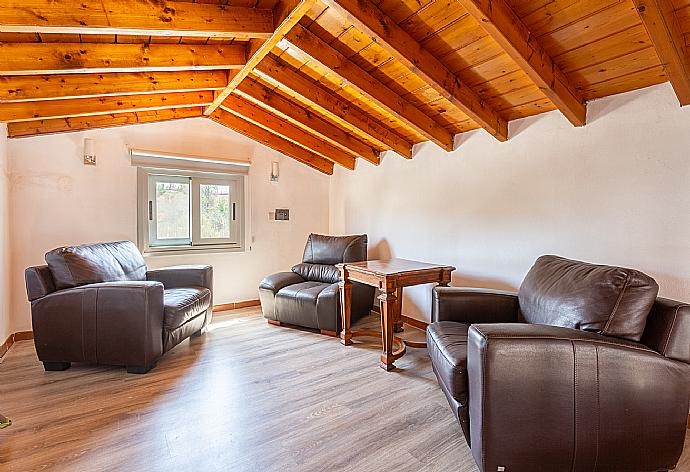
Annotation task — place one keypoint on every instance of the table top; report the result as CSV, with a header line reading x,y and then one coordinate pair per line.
x,y
393,266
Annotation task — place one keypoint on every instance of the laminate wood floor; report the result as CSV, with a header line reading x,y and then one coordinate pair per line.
x,y
247,396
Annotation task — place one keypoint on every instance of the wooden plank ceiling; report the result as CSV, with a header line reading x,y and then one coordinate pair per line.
x,y
329,81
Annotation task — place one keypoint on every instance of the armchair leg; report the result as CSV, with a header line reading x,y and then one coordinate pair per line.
x,y
274,322
198,333
56,366
140,369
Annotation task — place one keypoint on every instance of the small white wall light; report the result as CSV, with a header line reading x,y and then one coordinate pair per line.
x,y
89,152
275,171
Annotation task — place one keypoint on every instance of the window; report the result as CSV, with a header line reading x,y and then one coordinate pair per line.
x,y
182,210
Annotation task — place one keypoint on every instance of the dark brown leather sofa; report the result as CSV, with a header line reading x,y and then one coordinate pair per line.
x,y
584,369
98,303
308,295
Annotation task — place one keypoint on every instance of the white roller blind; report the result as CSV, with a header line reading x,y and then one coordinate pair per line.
x,y
165,160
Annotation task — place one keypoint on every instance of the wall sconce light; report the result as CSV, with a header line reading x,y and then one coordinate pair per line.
x,y
275,171
89,152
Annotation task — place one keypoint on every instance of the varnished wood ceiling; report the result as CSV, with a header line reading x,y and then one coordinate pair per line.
x,y
327,82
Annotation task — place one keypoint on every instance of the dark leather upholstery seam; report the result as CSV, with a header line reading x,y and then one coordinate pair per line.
x,y
618,302
98,290
83,340
349,245
670,330
486,348
598,424
597,341
203,313
575,422
146,328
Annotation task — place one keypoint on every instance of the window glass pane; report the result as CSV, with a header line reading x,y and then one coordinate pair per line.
x,y
172,210
215,211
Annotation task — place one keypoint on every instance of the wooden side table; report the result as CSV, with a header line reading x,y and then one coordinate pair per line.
x,y
389,276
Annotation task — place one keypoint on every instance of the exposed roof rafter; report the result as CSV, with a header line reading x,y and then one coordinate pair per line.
x,y
385,32
662,26
273,141
284,107
259,116
286,14
318,50
507,29
152,18
334,105
68,58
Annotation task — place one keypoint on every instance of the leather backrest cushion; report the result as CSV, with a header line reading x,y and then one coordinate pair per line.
x,y
317,272
322,249
73,266
612,301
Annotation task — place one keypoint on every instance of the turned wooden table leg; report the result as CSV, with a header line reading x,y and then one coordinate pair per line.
x,y
388,305
345,310
397,317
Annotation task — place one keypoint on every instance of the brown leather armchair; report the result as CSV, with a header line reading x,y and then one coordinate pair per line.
x,y
308,295
98,303
584,369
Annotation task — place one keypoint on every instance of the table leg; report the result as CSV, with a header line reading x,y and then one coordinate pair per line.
x,y
345,310
397,316
388,304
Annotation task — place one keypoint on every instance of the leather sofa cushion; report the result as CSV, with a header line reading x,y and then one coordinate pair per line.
x,y
298,304
73,266
331,250
612,301
184,304
317,272
447,345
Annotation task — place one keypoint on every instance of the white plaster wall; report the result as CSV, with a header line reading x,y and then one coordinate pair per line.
x,y
56,201
5,322
616,191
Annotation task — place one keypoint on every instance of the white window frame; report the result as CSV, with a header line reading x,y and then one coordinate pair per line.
x,y
147,208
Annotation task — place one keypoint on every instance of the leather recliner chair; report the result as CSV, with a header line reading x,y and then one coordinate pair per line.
x,y
584,369
98,303
308,295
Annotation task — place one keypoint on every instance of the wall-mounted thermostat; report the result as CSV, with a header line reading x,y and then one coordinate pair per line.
x,y
282,214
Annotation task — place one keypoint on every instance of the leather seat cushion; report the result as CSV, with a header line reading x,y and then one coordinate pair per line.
x,y
297,304
447,345
184,304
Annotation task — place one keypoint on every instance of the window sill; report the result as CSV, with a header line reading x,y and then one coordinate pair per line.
x,y
187,251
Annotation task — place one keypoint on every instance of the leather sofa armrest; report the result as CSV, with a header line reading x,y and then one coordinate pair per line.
x,y
183,276
668,329
277,281
116,323
39,282
590,394
471,305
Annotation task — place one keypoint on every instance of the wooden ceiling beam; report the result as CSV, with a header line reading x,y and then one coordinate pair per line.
x,y
507,29
28,111
351,74
70,58
51,87
286,14
24,129
664,30
366,17
333,105
282,106
132,17
259,116
273,141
